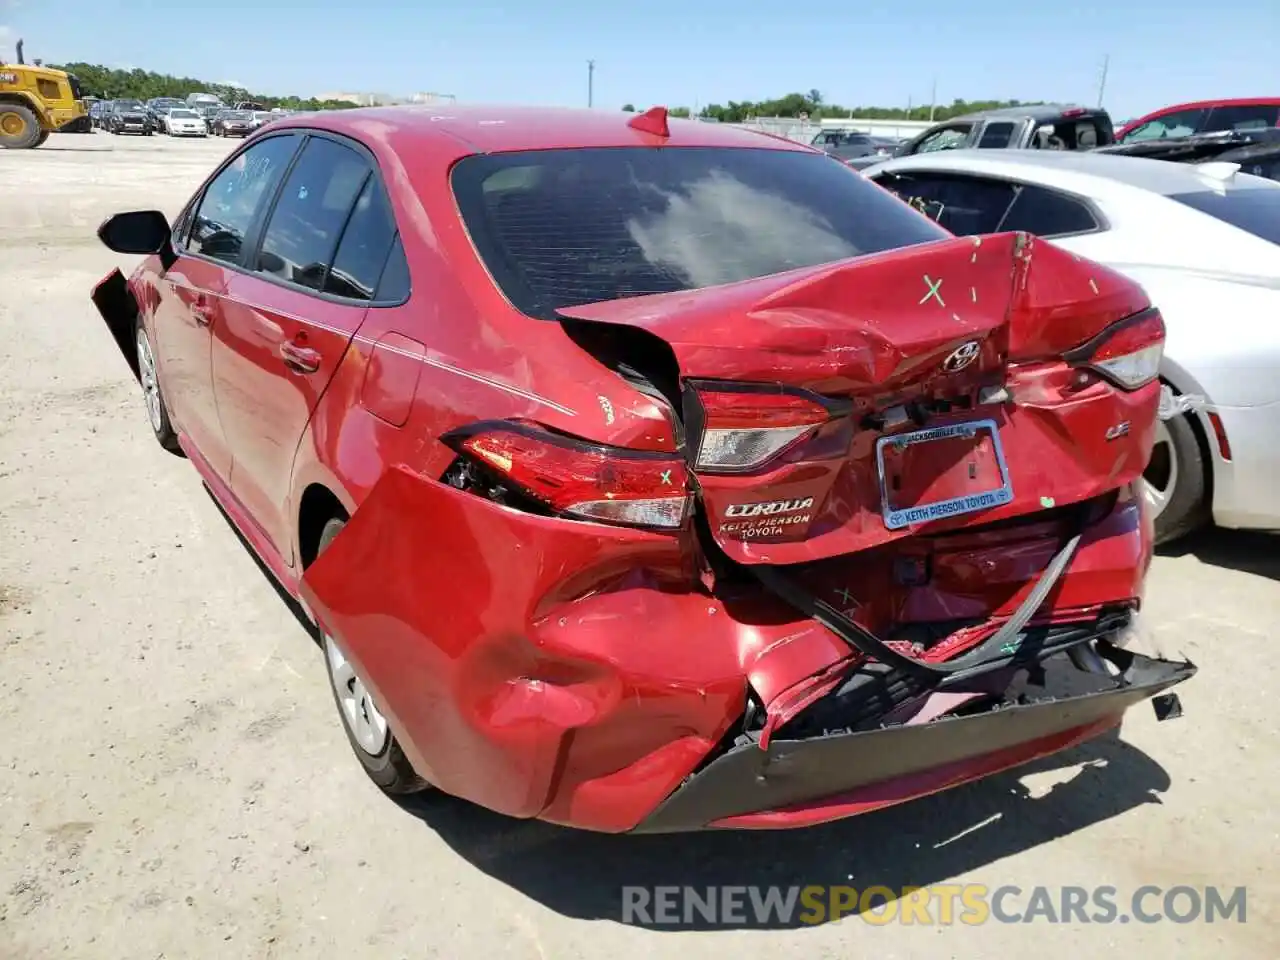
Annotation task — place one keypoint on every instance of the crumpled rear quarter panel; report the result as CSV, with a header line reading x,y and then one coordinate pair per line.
x,y
540,666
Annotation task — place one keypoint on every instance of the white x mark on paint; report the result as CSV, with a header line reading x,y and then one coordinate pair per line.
x,y
935,286
666,477
844,594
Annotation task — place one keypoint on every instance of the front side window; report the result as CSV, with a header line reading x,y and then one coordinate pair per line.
x,y
963,205
233,198
952,138
315,202
574,226
1181,123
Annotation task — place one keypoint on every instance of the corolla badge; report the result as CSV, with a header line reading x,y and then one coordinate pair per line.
x,y
962,356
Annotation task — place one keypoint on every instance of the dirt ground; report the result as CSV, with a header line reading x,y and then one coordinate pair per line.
x,y
174,781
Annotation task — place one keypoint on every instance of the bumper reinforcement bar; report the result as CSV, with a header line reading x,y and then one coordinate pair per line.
x,y
876,768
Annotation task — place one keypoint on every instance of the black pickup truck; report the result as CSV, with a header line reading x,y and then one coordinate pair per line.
x,y
1046,126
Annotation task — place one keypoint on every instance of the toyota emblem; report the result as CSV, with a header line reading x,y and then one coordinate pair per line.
x,y
962,356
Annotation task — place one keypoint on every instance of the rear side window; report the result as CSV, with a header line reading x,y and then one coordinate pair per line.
x,y
232,199
1047,213
996,136
1243,118
564,227
362,253
394,285
1254,211
309,217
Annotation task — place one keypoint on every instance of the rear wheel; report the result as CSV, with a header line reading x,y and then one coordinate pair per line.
x,y
19,128
1175,480
371,739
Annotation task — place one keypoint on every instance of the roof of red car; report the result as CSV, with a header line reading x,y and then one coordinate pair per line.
x,y
1202,104
500,129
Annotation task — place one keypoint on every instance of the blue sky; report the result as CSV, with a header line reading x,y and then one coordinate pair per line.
x,y
680,53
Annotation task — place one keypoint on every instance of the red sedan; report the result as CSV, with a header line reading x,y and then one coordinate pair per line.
x,y
656,476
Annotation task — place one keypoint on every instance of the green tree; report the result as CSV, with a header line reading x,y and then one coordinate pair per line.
x,y
628,108
814,104
100,81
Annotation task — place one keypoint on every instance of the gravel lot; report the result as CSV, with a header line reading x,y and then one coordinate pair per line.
x,y
174,782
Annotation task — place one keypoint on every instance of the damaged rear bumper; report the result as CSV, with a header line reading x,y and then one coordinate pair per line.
x,y
802,782
582,675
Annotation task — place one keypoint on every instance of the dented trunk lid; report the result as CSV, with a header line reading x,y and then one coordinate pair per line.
x,y
942,367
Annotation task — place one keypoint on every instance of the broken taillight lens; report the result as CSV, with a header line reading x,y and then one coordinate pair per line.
x,y
582,479
744,426
1128,353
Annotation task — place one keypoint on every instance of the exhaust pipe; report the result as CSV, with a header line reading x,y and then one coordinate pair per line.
x,y
20,60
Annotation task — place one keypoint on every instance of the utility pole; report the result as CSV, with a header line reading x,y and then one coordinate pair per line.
x,y
933,99
591,83
1102,84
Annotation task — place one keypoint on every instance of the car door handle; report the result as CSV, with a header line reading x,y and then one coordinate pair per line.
x,y
300,359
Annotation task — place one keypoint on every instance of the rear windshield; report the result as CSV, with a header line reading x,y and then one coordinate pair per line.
x,y
563,227
1254,211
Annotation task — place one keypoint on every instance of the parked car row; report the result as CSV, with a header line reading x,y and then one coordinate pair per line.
x,y
180,118
1216,126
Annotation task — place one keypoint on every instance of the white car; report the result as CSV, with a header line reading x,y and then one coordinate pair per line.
x,y
1204,240
184,122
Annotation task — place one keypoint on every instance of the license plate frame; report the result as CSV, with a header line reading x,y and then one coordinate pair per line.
x,y
897,519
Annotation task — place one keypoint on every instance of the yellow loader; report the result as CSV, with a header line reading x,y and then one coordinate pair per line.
x,y
36,101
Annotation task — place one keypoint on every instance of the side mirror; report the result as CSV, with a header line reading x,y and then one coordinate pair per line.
x,y
139,231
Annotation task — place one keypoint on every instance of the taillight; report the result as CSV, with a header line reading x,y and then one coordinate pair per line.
x,y
1127,353
581,479
741,427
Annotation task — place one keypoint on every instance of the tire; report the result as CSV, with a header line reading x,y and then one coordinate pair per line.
x,y
1176,479
19,128
372,741
157,410
44,135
